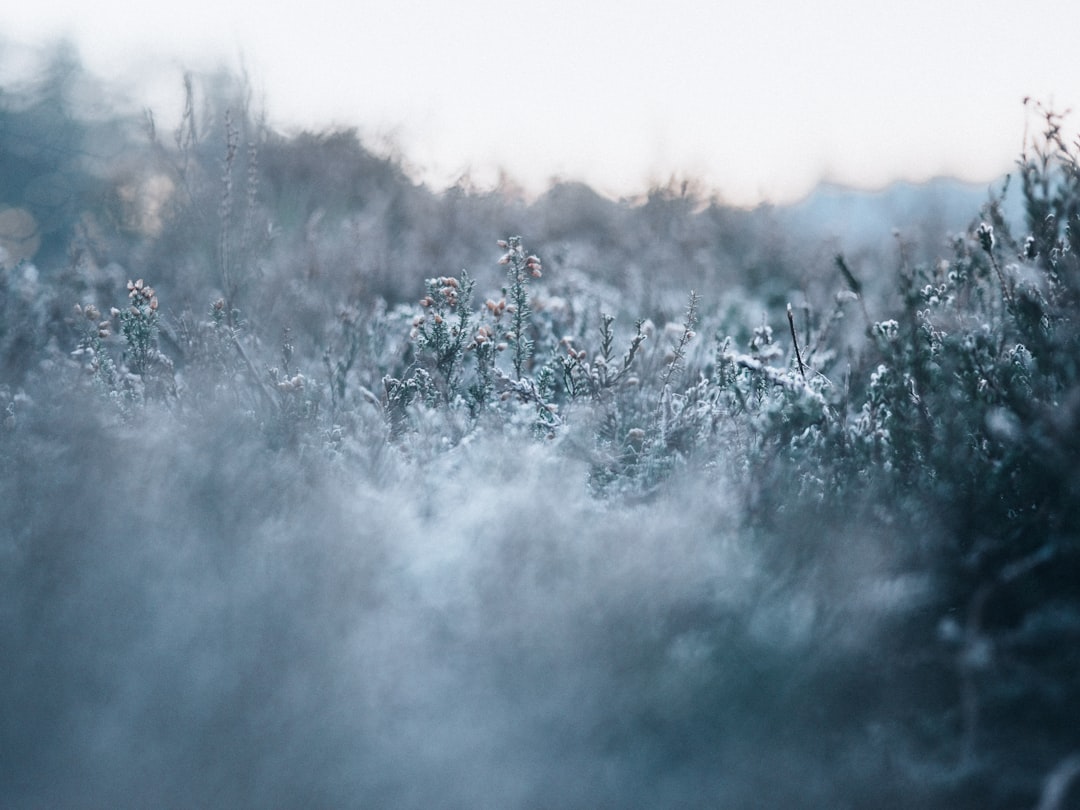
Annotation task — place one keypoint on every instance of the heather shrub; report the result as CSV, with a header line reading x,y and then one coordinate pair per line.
x,y
324,518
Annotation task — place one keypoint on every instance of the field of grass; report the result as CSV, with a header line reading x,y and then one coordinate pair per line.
x,y
319,488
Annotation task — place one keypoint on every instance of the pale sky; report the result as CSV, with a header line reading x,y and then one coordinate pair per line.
x,y
758,100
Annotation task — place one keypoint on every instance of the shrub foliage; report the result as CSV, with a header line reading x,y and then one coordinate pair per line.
x,y
935,429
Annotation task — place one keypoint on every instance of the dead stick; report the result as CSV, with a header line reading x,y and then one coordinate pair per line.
x,y
795,340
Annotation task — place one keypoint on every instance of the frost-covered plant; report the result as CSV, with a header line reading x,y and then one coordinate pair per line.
x,y
139,324
144,371
520,268
582,377
457,350
936,445
675,364
442,331
487,343
91,349
297,403
366,350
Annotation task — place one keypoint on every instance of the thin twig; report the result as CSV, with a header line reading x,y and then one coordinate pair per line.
x,y
795,340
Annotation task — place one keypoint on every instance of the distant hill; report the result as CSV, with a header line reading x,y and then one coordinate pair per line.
x,y
857,218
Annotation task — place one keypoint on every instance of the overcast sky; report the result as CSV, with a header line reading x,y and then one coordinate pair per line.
x,y
759,100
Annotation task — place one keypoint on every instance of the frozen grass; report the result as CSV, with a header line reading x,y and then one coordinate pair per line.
x,y
277,535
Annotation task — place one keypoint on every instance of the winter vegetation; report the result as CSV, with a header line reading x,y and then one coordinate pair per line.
x,y
319,488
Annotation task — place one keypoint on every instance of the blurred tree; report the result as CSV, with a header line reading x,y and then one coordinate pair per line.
x,y
44,166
